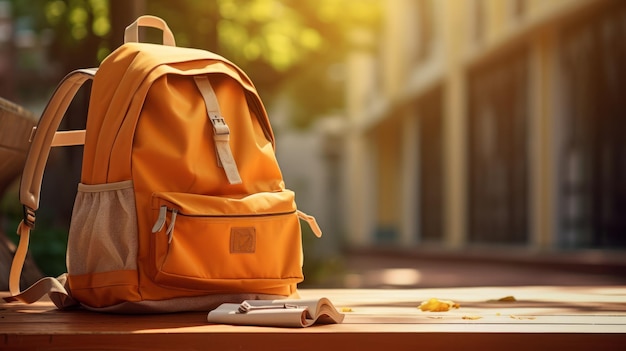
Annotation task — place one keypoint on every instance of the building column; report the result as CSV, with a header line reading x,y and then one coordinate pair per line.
x,y
409,227
454,132
357,186
542,145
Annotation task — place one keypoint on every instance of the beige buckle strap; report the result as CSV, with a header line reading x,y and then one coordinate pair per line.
x,y
220,129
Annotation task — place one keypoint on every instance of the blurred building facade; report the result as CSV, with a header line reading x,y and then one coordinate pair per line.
x,y
488,122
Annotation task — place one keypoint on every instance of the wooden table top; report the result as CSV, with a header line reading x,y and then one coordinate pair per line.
x,y
541,317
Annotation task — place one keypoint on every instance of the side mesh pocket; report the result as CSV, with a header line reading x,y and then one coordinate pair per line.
x,y
103,231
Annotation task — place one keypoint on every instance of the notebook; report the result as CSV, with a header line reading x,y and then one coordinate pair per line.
x,y
277,313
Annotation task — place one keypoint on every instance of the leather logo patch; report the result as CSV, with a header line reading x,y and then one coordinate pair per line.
x,y
242,240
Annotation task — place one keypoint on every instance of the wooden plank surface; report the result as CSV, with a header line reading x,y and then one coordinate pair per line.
x,y
568,318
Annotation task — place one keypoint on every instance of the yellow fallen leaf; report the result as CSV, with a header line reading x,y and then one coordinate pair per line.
x,y
504,299
507,299
436,305
346,309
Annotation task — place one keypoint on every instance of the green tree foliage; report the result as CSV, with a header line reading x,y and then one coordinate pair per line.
x,y
285,45
81,31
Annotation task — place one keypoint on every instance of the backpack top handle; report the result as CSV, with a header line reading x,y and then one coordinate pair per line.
x,y
131,34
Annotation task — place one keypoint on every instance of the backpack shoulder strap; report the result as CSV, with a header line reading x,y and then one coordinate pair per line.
x,y
42,140
45,137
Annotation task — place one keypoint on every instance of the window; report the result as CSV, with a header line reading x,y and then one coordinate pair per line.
x,y
497,167
592,154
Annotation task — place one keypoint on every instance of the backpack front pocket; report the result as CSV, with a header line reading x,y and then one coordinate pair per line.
x,y
226,244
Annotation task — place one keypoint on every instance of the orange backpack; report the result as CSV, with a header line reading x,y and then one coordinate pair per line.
x,y
181,204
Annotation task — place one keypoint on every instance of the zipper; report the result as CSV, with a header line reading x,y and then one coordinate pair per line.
x,y
162,218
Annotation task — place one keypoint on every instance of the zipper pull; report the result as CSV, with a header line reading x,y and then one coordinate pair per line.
x,y
312,223
170,228
160,222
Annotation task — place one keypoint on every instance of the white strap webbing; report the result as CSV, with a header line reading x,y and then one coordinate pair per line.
x,y
221,132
